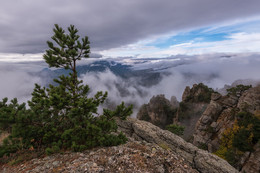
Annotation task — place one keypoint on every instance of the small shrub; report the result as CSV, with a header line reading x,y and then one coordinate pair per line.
x,y
203,146
238,90
243,140
176,129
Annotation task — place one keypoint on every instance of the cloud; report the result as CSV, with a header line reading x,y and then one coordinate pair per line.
x,y
17,81
26,24
16,57
95,55
239,42
214,70
177,72
119,89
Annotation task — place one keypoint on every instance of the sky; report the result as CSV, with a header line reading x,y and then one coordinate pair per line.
x,y
214,41
136,28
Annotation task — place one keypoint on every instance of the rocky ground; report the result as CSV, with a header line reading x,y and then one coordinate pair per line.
x,y
134,156
149,149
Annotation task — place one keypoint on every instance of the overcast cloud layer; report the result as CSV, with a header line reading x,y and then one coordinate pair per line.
x,y
26,24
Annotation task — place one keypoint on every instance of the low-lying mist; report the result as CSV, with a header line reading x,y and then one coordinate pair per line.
x,y
175,74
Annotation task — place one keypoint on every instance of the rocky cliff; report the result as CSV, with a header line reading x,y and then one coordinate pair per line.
x,y
159,111
221,116
208,115
194,102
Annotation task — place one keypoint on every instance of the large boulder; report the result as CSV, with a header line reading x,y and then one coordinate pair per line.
x,y
200,160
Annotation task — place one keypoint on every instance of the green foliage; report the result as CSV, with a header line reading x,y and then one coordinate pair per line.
x,y
203,96
231,155
68,49
9,113
250,123
240,138
61,117
203,146
238,90
176,129
121,111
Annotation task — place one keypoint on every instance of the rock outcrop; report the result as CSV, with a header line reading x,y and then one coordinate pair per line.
x,y
159,111
219,116
174,102
194,102
200,160
198,93
252,82
189,117
206,115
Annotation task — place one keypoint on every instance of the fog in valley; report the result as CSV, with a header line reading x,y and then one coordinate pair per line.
x,y
175,73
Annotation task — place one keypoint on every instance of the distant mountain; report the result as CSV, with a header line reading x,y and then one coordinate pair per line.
x,y
148,77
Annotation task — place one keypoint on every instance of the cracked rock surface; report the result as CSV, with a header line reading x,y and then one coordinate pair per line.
x,y
200,160
131,157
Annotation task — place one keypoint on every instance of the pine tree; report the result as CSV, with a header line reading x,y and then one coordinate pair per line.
x,y
67,51
61,116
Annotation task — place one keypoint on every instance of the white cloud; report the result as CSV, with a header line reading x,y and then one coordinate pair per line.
x,y
236,43
16,57
17,84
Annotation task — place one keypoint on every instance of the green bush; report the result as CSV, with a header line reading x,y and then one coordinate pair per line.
x,y
240,138
238,90
61,116
252,124
176,129
203,96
